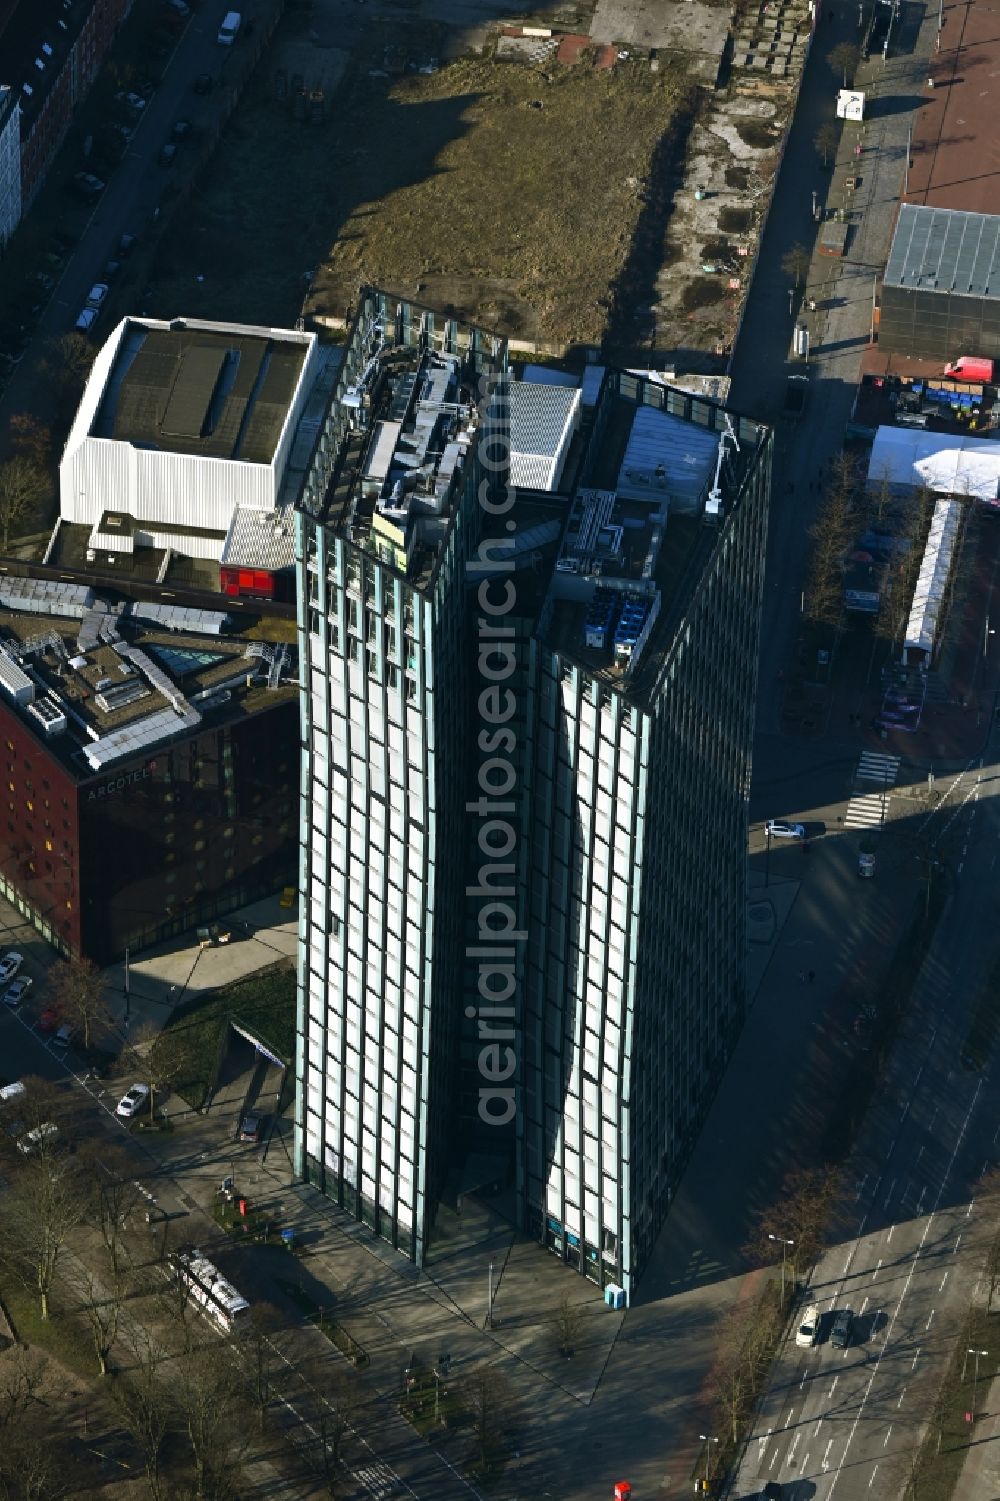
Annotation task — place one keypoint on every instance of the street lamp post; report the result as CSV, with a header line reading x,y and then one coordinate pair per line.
x,y
783,1243
767,857
791,301
975,1374
708,1440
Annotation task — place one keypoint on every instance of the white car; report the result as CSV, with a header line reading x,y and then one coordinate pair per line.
x,y
807,1333
9,965
86,320
130,1104
776,829
97,294
15,994
134,101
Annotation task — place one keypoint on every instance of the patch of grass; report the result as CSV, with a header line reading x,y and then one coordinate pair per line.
x,y
937,1466
735,221
187,1050
323,1318
756,133
60,1335
455,186
704,291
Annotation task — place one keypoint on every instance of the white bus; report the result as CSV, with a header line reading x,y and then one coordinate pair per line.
x,y
216,1297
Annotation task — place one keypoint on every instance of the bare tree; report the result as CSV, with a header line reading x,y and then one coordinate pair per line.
x,y
207,1400
102,1307
802,1215
43,1206
259,1358
795,263
78,989
494,1413
825,140
22,1373
340,1406
31,438
143,1402
566,1322
22,486
844,59
35,1461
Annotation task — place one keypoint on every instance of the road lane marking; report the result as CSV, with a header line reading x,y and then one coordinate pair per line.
x,y
889,1236
861,1311
957,1244
861,1185
969,1210
788,1420
825,1461
901,1396
871,1481
889,1190
928,1324
805,1461
795,1445
915,1358
877,1269
920,1201
833,1387
819,1424
906,1285
944,1279
887,1433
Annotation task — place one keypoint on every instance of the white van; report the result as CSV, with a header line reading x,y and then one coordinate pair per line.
x,y
12,1092
41,1136
807,1333
230,26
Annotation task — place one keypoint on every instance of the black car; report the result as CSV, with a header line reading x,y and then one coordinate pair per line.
x,y
252,1128
125,246
840,1333
203,83
167,154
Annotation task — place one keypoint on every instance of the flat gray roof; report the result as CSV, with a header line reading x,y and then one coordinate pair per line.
x,y
945,250
199,391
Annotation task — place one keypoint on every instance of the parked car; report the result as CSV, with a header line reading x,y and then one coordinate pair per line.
x,y
33,1141
15,994
167,154
776,829
807,1333
203,83
9,965
97,294
125,246
252,1128
843,1325
111,270
64,1036
131,1103
87,185
86,320
179,8
134,102
50,1019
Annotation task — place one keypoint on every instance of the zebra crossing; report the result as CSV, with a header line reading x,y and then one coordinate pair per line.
x,y
378,1480
868,809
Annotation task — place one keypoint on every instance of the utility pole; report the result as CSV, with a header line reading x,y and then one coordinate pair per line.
x,y
906,169
128,1006
489,1305
871,336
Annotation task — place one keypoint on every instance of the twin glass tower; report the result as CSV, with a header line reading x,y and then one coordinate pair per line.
x,y
526,729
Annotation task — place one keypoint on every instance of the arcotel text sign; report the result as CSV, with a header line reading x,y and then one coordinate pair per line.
x,y
114,785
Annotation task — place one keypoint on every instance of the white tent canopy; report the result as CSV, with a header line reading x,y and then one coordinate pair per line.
x,y
947,463
932,582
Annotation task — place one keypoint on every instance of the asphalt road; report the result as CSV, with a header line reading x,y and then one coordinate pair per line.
x,y
845,1423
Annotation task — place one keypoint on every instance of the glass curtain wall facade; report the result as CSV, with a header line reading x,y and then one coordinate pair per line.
x,y
384,745
635,983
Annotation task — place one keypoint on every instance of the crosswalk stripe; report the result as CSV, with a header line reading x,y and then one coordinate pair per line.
x,y
864,811
874,767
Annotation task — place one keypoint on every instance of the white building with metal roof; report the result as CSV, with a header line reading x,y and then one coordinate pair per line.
x,y
180,424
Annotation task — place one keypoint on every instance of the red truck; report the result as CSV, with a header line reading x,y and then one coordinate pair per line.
x,y
971,368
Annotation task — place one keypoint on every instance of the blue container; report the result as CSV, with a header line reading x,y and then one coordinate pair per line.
x,y
288,1238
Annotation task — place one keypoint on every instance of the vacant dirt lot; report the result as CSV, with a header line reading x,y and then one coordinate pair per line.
x,y
507,191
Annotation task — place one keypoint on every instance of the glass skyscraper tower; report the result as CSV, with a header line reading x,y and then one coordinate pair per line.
x,y
633,614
